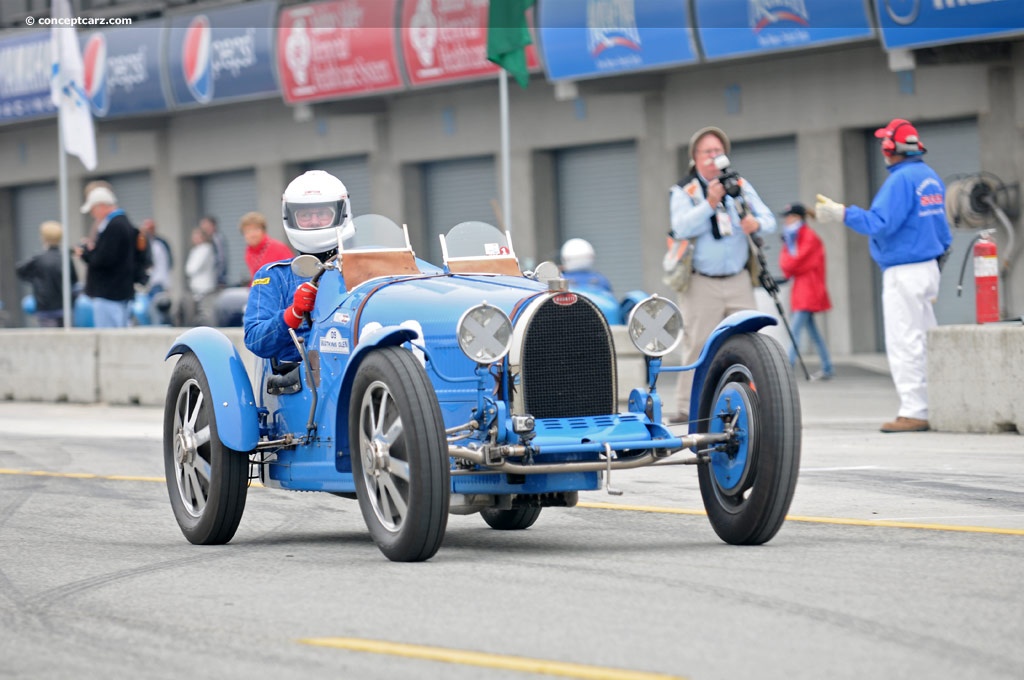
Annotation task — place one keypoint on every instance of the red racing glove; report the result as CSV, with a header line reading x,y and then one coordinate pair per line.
x,y
305,298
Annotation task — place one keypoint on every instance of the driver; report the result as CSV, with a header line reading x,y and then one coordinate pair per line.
x,y
313,205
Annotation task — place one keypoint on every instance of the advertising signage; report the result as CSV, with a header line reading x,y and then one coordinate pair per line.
x,y
734,28
122,69
223,54
446,41
590,38
330,50
25,77
919,23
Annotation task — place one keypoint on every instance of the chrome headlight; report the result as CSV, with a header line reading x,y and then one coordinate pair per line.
x,y
485,333
655,326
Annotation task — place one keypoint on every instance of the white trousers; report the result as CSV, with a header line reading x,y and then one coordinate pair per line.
x,y
909,292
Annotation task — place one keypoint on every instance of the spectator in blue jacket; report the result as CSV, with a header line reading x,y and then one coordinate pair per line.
x,y
908,233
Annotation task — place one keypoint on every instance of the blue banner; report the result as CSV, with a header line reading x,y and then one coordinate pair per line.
x,y
25,64
589,38
222,55
733,28
916,23
122,69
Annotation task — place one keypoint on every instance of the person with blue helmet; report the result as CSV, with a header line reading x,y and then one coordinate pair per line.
x,y
908,235
312,206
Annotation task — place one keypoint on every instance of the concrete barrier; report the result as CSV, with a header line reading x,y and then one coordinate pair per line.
x,y
127,366
976,378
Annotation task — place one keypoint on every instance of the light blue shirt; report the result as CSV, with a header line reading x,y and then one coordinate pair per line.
x,y
691,219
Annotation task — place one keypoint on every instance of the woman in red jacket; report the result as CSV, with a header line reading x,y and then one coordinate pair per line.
x,y
802,260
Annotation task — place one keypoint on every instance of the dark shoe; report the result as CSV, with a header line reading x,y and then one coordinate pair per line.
x,y
902,424
680,418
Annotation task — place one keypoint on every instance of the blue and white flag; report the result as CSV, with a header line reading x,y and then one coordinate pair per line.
x,y
67,88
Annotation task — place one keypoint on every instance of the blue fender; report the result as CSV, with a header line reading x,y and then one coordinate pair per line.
x,y
734,324
387,336
234,406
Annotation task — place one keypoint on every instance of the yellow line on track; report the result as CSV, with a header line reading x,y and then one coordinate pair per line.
x,y
80,475
484,660
843,521
819,520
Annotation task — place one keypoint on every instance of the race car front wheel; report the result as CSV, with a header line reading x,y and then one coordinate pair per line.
x,y
748,483
399,455
206,481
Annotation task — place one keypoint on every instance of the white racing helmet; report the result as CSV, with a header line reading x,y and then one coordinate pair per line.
x,y
577,253
313,205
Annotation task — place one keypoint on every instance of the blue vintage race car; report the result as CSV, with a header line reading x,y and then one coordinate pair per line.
x,y
470,387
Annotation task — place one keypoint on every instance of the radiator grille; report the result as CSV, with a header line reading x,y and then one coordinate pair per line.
x,y
568,365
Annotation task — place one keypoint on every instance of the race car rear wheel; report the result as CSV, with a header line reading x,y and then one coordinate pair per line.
x,y
510,520
399,455
206,481
748,484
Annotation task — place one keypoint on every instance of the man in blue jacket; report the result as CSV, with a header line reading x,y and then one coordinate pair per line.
x,y
907,231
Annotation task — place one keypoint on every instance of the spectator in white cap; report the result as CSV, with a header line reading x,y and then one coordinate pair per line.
x,y
110,257
717,223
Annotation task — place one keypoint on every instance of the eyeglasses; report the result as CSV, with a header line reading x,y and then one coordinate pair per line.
x,y
313,217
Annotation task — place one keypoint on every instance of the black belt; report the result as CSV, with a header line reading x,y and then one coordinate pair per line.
x,y
716,276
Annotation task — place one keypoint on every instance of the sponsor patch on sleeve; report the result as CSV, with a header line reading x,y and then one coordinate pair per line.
x,y
261,282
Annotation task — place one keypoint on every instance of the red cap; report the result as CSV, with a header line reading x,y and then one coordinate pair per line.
x,y
900,131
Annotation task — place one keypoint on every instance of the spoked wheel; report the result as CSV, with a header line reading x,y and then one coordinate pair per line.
x,y
748,484
206,481
510,520
399,455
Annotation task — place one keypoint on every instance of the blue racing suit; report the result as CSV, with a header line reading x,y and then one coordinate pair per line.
x,y
272,292
907,220
587,278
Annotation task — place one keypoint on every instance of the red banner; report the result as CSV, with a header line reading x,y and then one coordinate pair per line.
x,y
336,49
446,40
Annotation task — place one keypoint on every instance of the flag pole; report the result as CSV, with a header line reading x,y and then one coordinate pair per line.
x,y
506,184
65,257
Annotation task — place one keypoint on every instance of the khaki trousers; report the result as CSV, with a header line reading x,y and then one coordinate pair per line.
x,y
705,303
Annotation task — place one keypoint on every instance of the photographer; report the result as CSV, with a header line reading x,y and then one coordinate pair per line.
x,y
715,209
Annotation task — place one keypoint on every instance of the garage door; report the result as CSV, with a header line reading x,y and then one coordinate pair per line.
x,y
952,151
354,172
598,200
134,195
227,196
771,167
457,191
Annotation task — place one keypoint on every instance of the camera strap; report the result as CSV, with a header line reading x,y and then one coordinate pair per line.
x,y
704,189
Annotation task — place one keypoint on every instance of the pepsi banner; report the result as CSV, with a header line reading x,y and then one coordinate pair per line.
x,y
734,28
336,49
223,54
919,23
122,70
25,63
446,40
593,38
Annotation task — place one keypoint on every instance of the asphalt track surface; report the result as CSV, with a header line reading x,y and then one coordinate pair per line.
x,y
901,558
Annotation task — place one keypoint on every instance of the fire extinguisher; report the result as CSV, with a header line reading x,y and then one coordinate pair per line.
x,y
986,277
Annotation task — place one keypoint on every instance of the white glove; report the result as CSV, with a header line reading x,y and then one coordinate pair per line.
x,y
829,211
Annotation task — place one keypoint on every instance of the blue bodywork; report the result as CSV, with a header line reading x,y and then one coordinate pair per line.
x,y
420,312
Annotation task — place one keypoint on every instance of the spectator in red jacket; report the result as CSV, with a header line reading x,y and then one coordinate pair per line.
x,y
802,260
262,249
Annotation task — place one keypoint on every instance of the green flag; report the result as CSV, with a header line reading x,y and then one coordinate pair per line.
x,y
508,36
